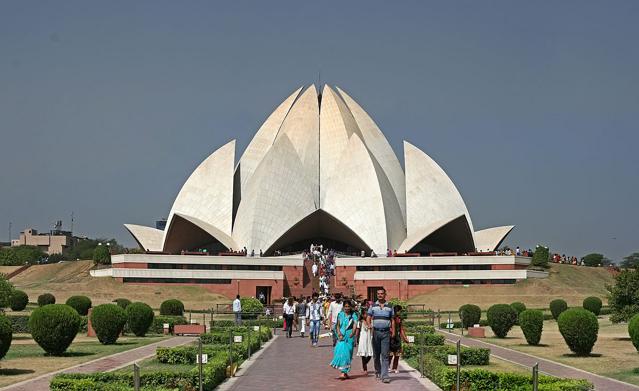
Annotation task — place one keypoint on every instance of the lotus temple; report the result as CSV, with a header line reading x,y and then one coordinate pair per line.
x,y
318,171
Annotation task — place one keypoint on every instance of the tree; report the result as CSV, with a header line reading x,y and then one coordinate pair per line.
x,y
20,255
624,296
631,261
596,259
541,256
101,255
6,290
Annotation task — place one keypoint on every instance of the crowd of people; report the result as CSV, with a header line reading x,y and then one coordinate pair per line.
x,y
556,258
323,265
370,330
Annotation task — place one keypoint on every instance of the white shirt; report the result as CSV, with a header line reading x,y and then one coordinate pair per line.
x,y
333,310
314,311
289,309
314,269
237,305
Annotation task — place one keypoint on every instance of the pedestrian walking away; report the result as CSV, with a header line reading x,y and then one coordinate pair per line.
x,y
365,340
289,313
398,338
346,328
381,316
301,316
237,310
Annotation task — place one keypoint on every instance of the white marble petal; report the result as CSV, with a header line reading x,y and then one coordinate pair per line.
x,y
379,148
355,197
278,196
430,194
207,195
489,239
148,238
263,139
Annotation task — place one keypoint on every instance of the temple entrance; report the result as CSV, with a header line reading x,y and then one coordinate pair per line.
x,y
319,228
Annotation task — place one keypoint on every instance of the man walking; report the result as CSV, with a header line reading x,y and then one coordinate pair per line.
x,y
237,310
333,310
314,316
301,315
380,317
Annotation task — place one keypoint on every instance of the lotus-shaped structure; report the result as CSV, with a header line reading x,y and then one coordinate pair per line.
x,y
319,170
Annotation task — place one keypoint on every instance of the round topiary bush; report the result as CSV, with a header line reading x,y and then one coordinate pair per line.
x,y
519,307
579,327
469,315
18,300
633,330
172,307
46,298
558,306
6,334
139,317
54,327
501,318
252,307
80,304
123,303
532,324
108,320
593,304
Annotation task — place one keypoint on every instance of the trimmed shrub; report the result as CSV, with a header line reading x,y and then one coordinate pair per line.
x,y
251,307
541,256
633,330
46,298
501,318
80,304
6,334
558,306
173,307
108,321
469,315
54,327
593,304
579,327
6,289
18,300
519,307
139,318
532,324
157,327
468,355
123,303
19,323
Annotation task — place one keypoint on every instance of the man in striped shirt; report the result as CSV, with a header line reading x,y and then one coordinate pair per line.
x,y
380,317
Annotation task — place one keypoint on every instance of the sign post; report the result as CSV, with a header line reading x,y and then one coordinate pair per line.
x,y
535,376
458,362
199,354
136,377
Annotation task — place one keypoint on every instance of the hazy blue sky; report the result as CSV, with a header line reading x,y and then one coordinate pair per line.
x,y
531,107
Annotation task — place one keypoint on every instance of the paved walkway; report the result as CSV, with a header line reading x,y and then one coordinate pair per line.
x,y
292,364
545,366
104,364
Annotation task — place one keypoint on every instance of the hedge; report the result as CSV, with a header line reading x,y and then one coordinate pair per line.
x,y
532,324
18,300
501,318
80,304
593,304
157,327
108,320
468,355
274,324
633,330
172,307
46,298
188,354
122,302
139,318
422,329
54,327
458,324
579,327
558,306
20,324
469,314
6,335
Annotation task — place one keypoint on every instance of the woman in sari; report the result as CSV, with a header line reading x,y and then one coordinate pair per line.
x,y
346,329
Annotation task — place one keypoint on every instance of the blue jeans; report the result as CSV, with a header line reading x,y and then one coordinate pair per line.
x,y
238,318
381,345
315,329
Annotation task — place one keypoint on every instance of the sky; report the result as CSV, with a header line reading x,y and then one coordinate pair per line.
x,y
532,108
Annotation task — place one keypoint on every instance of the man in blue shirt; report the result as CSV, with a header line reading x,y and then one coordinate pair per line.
x,y
380,317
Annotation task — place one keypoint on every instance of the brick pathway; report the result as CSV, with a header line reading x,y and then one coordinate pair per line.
x,y
104,364
292,364
545,366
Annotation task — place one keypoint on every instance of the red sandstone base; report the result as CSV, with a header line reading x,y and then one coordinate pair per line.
x,y
477,332
190,329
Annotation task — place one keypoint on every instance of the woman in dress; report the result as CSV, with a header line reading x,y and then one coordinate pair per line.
x,y
346,328
365,344
396,341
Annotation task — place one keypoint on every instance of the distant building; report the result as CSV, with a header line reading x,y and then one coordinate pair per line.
x,y
53,242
